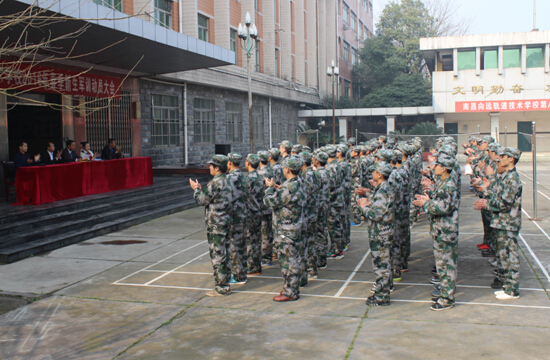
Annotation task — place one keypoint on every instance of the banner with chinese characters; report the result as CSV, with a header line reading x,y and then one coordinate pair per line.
x,y
66,82
502,105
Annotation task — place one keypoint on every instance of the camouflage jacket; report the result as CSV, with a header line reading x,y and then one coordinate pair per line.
x,y
256,187
506,203
368,162
443,208
287,204
324,189
216,198
406,201
265,173
381,212
311,191
411,170
336,185
356,173
346,176
278,176
397,184
238,185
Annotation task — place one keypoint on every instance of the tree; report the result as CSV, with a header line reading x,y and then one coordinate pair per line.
x,y
447,21
405,90
345,102
427,128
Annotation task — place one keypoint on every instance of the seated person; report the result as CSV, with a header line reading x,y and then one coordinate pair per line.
x,y
111,151
50,156
22,159
69,153
85,153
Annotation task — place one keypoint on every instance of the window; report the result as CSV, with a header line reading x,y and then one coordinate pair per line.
x,y
345,13
203,27
258,120
256,5
276,123
163,13
360,28
293,72
166,123
365,33
466,60
353,56
346,51
365,6
347,88
257,68
490,59
234,122
233,42
276,62
535,57
275,10
353,21
204,123
511,58
113,4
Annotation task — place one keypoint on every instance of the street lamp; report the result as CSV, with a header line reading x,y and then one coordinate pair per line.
x,y
332,73
249,39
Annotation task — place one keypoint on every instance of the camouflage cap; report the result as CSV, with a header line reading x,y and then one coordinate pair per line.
x,y
297,148
253,159
306,148
293,162
446,161
331,151
493,147
275,153
235,158
385,155
510,151
383,168
472,138
391,141
341,148
321,156
382,137
351,140
355,148
218,160
488,139
397,156
445,150
263,155
286,144
306,156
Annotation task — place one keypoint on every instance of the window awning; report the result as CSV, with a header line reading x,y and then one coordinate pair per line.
x,y
163,50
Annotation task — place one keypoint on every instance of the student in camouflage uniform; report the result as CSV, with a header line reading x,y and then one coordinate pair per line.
x,y
276,168
506,208
380,213
336,214
341,152
296,149
216,198
285,147
288,201
311,190
357,180
402,230
264,170
238,185
319,161
256,189
442,206
398,184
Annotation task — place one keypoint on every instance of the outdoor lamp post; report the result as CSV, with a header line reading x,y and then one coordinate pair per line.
x,y
249,41
332,73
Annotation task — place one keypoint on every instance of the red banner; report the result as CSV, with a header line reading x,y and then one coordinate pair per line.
x,y
502,106
59,81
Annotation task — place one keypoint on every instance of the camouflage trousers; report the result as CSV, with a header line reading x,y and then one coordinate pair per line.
x,y
254,243
312,249
267,238
509,258
219,247
335,218
347,222
402,237
446,258
322,238
380,247
304,259
238,252
288,254
488,231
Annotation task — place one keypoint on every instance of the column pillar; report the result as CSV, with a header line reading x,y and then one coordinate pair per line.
x,y
221,25
4,147
495,129
390,123
190,20
67,117
343,126
440,120
286,41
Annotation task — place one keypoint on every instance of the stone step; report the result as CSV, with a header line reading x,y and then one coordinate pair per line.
x,y
21,251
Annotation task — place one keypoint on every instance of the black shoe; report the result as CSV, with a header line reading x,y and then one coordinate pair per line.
x,y
434,299
372,301
488,253
497,284
437,306
322,267
498,271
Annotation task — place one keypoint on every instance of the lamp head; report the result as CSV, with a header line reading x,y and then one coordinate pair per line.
x,y
329,71
332,64
247,19
336,71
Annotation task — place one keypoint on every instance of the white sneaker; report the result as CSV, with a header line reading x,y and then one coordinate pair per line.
x,y
493,262
499,292
504,296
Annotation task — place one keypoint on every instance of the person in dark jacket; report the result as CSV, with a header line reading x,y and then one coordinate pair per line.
x,y
50,156
111,151
22,159
69,154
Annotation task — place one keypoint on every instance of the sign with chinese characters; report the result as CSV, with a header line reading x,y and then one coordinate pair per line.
x,y
59,81
502,106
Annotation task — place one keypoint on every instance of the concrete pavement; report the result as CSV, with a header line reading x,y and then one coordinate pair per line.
x,y
139,294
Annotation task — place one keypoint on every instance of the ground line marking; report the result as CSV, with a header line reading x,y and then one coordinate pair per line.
x,y
352,274
171,271
534,222
536,258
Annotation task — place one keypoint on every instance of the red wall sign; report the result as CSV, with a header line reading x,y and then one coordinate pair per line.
x,y
502,106
59,81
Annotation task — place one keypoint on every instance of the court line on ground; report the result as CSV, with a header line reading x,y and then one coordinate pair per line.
x,y
534,222
543,195
171,271
536,258
352,274
332,297
158,262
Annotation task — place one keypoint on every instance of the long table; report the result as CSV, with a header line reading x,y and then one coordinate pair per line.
x,y
42,184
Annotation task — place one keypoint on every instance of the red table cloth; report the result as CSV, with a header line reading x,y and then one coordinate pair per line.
x,y
42,184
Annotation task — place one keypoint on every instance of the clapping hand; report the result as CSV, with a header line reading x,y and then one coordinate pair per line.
x,y
362,191
36,158
363,202
270,182
489,171
420,200
58,154
195,185
480,204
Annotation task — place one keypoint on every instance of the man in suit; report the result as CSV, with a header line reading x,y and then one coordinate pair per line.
x,y
22,159
50,156
69,153
111,151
